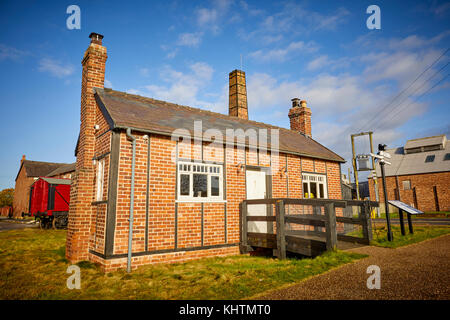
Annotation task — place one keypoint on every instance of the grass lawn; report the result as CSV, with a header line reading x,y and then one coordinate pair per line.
x,y
421,233
33,266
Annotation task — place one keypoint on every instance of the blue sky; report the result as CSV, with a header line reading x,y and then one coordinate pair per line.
x,y
182,52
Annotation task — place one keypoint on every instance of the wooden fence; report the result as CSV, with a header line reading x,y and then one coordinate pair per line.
x,y
306,242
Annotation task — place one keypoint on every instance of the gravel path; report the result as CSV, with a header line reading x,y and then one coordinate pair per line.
x,y
418,271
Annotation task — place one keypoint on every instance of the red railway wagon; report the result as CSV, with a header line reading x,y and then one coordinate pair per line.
x,y
49,201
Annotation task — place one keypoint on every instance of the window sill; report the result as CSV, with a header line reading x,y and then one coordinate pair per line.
x,y
199,201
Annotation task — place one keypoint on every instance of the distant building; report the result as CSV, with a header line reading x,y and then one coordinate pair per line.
x,y
30,171
419,174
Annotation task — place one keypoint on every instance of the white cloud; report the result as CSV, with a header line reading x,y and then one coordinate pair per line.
x,y
294,19
318,63
172,54
190,39
211,18
144,72
55,68
206,16
282,54
181,87
11,53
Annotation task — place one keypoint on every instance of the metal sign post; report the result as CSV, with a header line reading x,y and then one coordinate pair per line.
x,y
381,154
409,211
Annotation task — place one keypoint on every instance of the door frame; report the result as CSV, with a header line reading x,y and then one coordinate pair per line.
x,y
267,170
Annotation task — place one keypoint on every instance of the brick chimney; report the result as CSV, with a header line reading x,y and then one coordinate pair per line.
x,y
23,159
82,189
300,117
238,95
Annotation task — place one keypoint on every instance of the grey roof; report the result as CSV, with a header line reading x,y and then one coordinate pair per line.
x,y
123,110
62,169
425,142
39,168
56,180
414,163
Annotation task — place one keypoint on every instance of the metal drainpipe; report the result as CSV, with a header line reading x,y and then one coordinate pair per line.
x,y
130,230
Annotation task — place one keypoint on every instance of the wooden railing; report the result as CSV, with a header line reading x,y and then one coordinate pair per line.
x,y
303,241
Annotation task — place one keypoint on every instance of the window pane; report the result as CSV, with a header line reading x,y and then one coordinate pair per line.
x,y
430,158
305,190
322,194
447,157
313,190
406,184
214,186
184,184
200,185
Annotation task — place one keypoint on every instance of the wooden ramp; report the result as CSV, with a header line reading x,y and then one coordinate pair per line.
x,y
305,242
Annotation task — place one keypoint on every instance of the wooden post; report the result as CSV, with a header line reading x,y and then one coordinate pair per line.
x,y
410,223
281,239
244,226
402,225
330,225
367,222
317,210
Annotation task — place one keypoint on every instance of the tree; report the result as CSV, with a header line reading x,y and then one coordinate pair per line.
x,y
6,197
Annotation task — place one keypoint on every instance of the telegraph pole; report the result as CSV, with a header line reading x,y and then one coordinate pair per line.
x,y
374,177
355,171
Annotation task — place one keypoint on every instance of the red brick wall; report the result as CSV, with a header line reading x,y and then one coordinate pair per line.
x,y
81,231
423,184
22,193
162,193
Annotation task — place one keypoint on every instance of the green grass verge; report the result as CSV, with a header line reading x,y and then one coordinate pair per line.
x,y
34,267
421,233
426,215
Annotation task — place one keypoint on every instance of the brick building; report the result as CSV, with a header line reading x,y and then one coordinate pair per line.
x,y
187,182
419,174
30,171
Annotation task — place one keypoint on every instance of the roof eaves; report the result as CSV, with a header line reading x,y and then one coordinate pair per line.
x,y
169,134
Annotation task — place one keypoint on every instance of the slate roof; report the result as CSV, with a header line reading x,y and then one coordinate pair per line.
x,y
62,169
143,114
414,163
39,168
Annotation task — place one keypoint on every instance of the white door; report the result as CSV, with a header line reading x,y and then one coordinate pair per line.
x,y
256,189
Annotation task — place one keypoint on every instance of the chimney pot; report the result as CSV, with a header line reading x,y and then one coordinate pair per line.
x,y
96,38
295,102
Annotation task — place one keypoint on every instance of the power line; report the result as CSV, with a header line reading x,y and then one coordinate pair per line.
x,y
417,89
434,86
404,90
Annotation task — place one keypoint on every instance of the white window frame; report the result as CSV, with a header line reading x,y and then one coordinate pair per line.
x,y
100,179
318,179
187,168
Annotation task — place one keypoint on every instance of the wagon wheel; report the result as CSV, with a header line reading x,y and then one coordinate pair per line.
x,y
54,223
41,223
